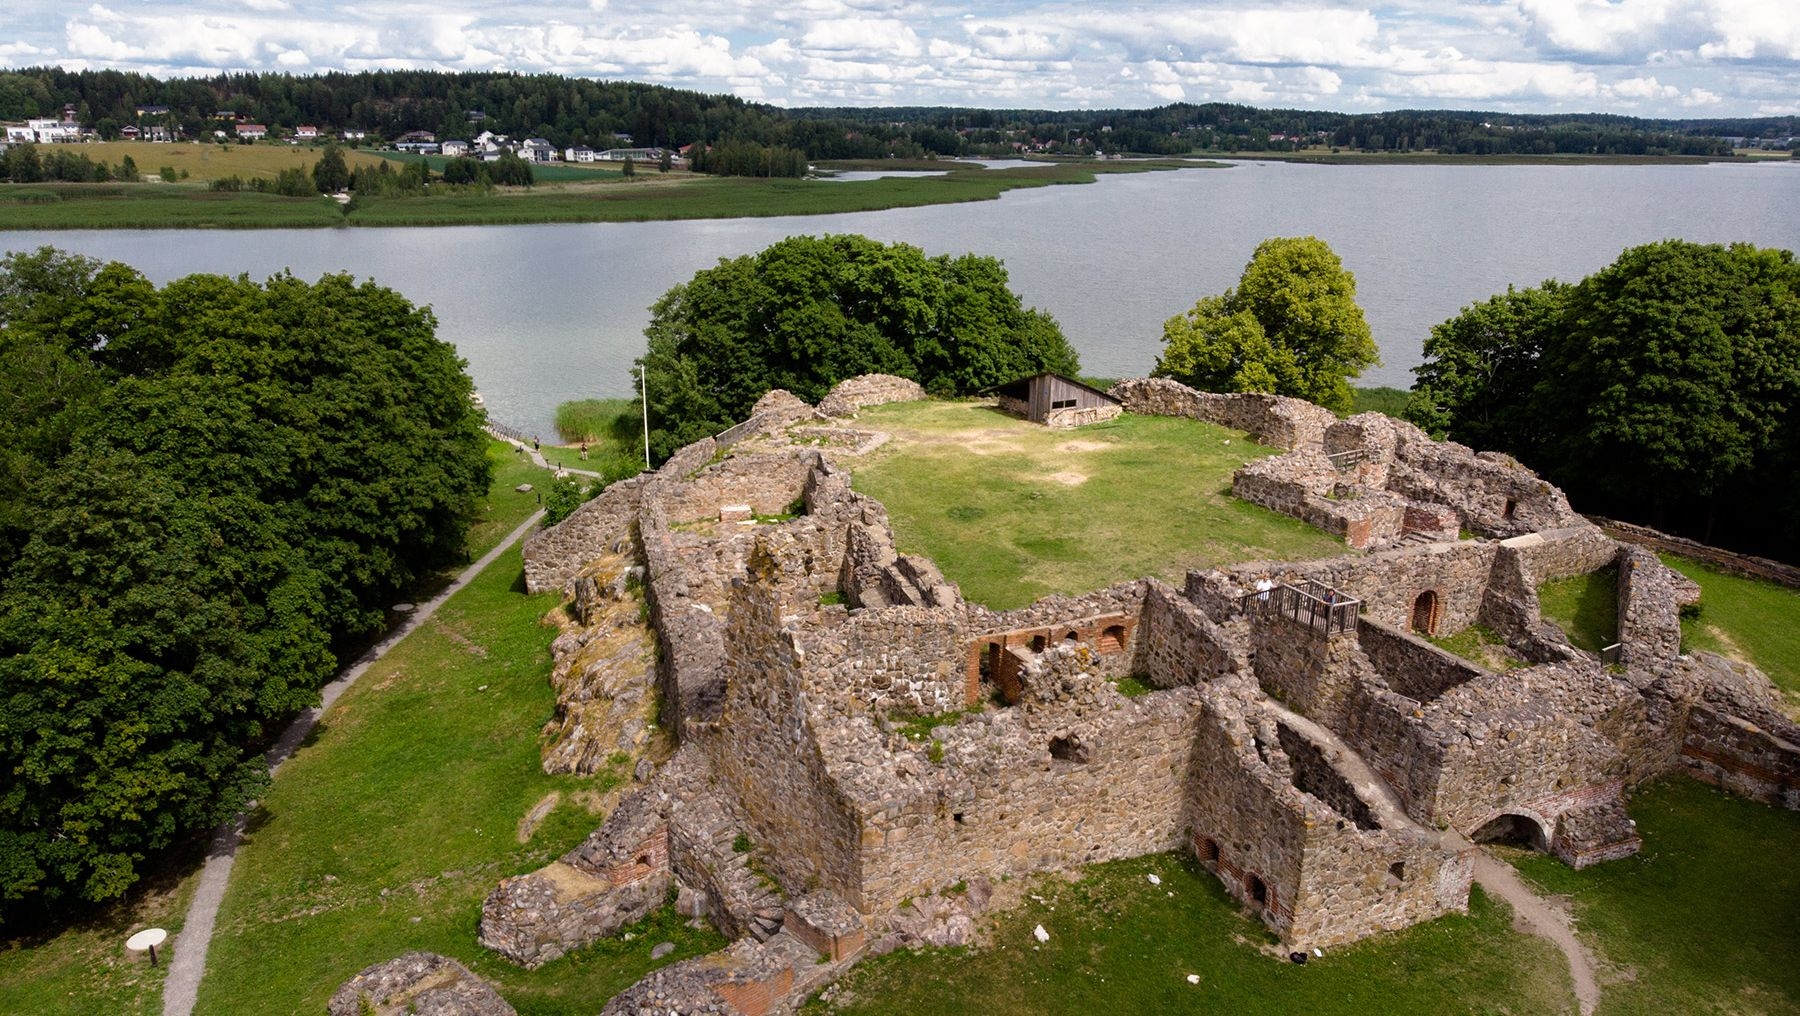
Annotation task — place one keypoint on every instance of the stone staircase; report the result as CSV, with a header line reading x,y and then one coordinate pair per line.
x,y
743,901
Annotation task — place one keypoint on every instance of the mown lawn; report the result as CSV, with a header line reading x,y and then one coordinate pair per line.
x,y
1012,511
1120,944
1746,619
1586,607
1703,920
386,832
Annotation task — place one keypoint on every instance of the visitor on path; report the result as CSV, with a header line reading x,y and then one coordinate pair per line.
x,y
584,449
534,442
1264,586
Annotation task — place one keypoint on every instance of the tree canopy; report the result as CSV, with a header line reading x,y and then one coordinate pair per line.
x,y
1661,388
1291,327
205,489
809,312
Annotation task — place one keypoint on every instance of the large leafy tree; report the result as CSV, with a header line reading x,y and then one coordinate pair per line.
x,y
207,488
809,312
1662,387
1291,326
1481,366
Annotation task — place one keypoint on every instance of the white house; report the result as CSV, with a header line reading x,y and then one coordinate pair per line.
x,y
537,150
454,149
305,132
252,131
579,154
51,132
634,154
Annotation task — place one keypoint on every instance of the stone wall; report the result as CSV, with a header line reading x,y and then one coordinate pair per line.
x,y
1053,783
1179,645
1411,666
1312,673
1063,418
1650,599
1274,420
869,390
1384,728
1737,564
769,747
553,556
769,483
1737,736
1390,583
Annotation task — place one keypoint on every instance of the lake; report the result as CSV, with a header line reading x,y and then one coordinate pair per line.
x,y
555,312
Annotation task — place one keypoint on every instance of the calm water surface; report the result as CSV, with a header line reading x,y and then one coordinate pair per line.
x,y
549,313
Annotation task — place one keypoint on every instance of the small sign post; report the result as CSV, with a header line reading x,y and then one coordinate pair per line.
x,y
147,940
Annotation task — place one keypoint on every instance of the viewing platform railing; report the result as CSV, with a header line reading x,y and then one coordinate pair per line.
x,y
1321,608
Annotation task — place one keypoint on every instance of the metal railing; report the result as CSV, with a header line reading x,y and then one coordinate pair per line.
x,y
1346,459
1320,607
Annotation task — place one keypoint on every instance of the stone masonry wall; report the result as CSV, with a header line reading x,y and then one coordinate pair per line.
x,y
1411,666
1001,802
554,556
1382,726
1314,675
1180,645
769,748
869,390
1650,599
1274,420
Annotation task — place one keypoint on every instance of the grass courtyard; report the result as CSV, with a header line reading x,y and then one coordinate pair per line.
x,y
1746,619
1012,511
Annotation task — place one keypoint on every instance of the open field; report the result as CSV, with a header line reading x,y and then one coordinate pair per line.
x,y
1119,944
1012,511
156,206
205,162
1703,919
1746,619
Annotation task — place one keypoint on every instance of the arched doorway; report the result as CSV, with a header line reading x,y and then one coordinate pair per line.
x,y
1514,830
1111,640
1425,613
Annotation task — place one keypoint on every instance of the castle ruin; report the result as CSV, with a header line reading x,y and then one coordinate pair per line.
x,y
853,735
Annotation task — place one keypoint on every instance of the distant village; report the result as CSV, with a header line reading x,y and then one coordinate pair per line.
x,y
155,123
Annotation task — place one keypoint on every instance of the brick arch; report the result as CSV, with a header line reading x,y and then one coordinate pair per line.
x,y
1112,639
1427,611
1541,829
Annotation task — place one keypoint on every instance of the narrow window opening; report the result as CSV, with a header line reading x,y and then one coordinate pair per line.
x,y
1259,892
1209,850
1397,871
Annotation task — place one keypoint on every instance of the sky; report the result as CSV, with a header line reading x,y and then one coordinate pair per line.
x,y
1673,58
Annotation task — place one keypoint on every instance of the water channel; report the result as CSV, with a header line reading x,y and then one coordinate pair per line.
x,y
555,312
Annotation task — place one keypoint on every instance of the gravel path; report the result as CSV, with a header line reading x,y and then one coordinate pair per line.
x,y
1540,918
187,950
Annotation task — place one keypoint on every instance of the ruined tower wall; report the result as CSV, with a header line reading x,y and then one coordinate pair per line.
x,y
1177,644
1275,420
554,556
768,752
1411,666
1000,803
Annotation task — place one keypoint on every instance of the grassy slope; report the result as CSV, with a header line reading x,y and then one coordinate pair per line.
x,y
387,832
1119,944
977,491
1585,606
1703,919
1747,619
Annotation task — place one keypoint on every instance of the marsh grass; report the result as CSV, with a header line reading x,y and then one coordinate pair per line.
x,y
1586,607
1012,511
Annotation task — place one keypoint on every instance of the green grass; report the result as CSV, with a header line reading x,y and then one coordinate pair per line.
x,y
1012,511
1747,619
1703,919
1119,944
403,812
83,968
1478,644
1391,401
1586,607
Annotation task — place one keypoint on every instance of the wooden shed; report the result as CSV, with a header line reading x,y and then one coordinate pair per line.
x,y
1057,401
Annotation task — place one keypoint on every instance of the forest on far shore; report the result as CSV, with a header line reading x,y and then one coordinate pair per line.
x,y
604,114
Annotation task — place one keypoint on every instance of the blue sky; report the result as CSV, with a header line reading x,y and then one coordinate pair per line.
x,y
1643,57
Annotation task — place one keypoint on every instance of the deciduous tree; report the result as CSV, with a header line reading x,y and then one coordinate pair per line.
x,y
1291,326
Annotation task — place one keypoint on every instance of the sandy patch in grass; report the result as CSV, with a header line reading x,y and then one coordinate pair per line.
x,y
1083,446
536,815
1069,479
